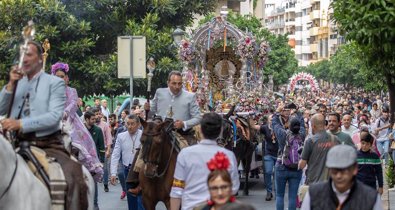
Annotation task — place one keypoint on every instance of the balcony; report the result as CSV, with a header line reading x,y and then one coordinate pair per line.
x,y
306,49
315,14
276,25
314,47
290,8
323,32
314,31
278,11
290,22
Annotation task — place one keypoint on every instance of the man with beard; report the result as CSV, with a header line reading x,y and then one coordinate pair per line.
x,y
107,143
333,128
97,136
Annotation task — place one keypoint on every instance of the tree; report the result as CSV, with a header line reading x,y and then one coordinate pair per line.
x,y
51,20
319,70
84,34
371,25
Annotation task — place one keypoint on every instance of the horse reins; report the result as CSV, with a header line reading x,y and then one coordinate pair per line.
x,y
12,178
148,144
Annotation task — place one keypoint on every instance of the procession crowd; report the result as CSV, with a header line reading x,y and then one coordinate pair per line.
x,y
328,147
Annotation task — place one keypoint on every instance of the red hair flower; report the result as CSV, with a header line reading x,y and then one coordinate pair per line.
x,y
219,162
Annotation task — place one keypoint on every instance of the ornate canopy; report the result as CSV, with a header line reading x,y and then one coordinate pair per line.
x,y
222,64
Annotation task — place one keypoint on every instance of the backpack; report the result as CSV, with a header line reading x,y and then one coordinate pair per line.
x,y
292,152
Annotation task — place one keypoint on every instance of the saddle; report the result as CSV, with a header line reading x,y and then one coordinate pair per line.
x,y
51,161
58,185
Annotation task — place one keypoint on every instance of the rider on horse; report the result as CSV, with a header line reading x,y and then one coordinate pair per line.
x,y
36,113
181,106
178,105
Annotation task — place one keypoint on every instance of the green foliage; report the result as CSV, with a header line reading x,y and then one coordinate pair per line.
x,y
84,34
346,67
390,174
282,63
319,70
371,25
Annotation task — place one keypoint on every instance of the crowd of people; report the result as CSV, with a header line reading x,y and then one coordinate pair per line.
x,y
328,147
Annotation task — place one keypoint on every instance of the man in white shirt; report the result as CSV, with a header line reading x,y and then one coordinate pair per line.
x,y
190,176
126,145
104,109
346,125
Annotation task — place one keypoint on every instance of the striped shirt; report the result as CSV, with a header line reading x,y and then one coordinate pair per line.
x,y
369,168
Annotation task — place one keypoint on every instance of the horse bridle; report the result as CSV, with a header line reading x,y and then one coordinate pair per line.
x,y
147,149
12,178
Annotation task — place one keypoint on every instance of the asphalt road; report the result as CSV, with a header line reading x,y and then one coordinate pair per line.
x,y
111,200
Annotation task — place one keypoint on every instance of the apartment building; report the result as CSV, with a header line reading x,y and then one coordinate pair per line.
x,y
311,34
244,7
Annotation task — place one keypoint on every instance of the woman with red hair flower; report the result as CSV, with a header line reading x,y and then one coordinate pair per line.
x,y
219,183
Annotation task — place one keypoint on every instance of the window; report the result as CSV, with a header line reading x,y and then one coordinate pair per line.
x,y
304,12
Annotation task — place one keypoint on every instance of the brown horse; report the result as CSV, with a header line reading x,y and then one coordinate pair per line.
x,y
159,152
239,137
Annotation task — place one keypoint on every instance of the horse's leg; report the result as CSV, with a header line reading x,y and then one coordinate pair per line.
x,y
148,201
246,171
248,159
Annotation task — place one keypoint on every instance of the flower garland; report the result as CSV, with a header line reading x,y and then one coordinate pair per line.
x,y
263,54
186,51
303,76
246,47
59,66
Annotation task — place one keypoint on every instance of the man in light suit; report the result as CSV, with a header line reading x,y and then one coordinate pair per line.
x,y
36,113
178,104
174,102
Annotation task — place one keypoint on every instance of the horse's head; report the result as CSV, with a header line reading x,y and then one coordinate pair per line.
x,y
226,136
155,135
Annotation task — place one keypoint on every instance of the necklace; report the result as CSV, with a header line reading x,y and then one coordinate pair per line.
x,y
133,137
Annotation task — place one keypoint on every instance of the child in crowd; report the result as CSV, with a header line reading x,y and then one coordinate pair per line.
x,y
369,164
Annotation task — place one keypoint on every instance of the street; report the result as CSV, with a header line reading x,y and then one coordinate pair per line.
x,y
111,200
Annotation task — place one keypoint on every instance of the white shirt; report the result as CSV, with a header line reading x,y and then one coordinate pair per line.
x,y
192,168
350,131
341,197
106,112
126,144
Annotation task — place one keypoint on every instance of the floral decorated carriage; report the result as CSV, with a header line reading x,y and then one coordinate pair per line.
x,y
224,66
303,81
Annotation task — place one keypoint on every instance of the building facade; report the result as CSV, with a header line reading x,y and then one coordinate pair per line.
x,y
311,34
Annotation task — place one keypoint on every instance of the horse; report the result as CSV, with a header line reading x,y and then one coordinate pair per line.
x,y
21,189
159,153
239,137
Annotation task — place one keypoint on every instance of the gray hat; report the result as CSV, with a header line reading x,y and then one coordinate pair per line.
x,y
341,156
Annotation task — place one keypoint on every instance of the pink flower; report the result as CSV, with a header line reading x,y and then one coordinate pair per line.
x,y
248,40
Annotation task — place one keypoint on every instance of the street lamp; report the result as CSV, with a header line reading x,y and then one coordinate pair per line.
x,y
178,35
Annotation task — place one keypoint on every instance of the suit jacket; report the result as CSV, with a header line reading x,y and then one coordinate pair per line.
x,y
184,106
47,98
